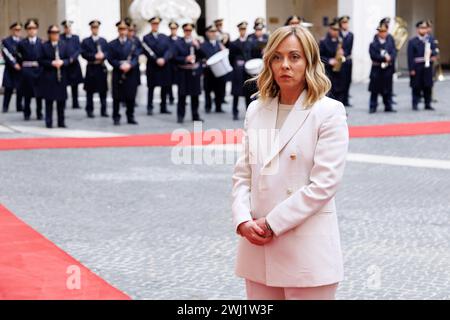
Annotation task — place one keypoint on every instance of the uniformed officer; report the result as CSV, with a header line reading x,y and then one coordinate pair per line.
x,y
29,52
95,50
332,53
258,41
240,53
211,83
74,74
261,33
158,50
347,68
12,74
173,26
421,56
55,61
222,36
383,55
187,56
132,30
123,55
391,40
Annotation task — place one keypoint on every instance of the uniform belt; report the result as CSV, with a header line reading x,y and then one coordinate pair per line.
x,y
240,62
348,57
95,62
190,66
419,60
30,64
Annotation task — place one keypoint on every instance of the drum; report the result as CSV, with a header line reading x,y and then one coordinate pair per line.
x,y
254,67
220,63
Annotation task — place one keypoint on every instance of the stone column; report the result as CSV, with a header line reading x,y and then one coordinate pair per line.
x,y
83,11
365,16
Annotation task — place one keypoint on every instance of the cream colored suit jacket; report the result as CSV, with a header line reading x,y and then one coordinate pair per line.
x,y
292,179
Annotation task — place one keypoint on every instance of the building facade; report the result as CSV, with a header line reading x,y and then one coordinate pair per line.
x,y
365,17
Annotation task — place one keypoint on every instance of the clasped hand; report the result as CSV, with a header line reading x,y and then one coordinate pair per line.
x,y
256,232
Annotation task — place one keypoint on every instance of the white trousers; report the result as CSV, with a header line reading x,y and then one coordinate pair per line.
x,y
257,291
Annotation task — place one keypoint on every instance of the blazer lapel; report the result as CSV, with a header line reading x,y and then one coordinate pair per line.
x,y
292,125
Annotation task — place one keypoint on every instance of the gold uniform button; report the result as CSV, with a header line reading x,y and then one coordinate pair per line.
x,y
293,156
289,191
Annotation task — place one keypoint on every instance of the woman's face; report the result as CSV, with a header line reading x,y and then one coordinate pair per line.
x,y
289,64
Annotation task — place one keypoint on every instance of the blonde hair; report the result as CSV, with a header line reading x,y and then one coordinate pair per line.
x,y
317,82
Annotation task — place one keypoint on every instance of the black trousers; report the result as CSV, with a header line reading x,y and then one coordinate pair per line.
x,y
27,107
164,91
216,85
181,109
90,102
75,104
248,100
387,100
130,105
60,107
170,94
417,95
7,99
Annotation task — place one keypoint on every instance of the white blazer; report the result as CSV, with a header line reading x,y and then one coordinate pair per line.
x,y
293,185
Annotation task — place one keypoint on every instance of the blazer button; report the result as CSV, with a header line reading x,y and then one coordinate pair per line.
x,y
293,156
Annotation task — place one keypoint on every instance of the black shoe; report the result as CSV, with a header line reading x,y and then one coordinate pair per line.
x,y
180,121
149,112
90,115
208,111
198,120
165,112
415,108
372,110
76,107
220,111
235,117
49,126
171,102
390,110
105,115
39,117
5,111
26,118
117,122
133,122
430,108
62,126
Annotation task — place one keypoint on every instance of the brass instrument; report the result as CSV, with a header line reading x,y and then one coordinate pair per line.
x,y
400,33
340,58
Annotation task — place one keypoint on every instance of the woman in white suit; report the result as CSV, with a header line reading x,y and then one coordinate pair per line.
x,y
284,184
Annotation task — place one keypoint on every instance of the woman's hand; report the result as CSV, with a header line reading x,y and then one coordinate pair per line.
x,y
254,233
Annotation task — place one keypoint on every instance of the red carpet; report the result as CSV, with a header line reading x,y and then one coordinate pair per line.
x,y
33,268
165,140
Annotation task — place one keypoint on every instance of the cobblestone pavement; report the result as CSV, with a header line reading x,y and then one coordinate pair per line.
x,y
162,231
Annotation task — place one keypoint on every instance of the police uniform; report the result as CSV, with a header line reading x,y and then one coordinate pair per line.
x,y
11,76
172,63
422,81
53,83
211,83
240,53
223,37
158,46
124,85
347,67
96,78
258,44
381,75
137,42
328,49
29,53
294,21
189,76
74,74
